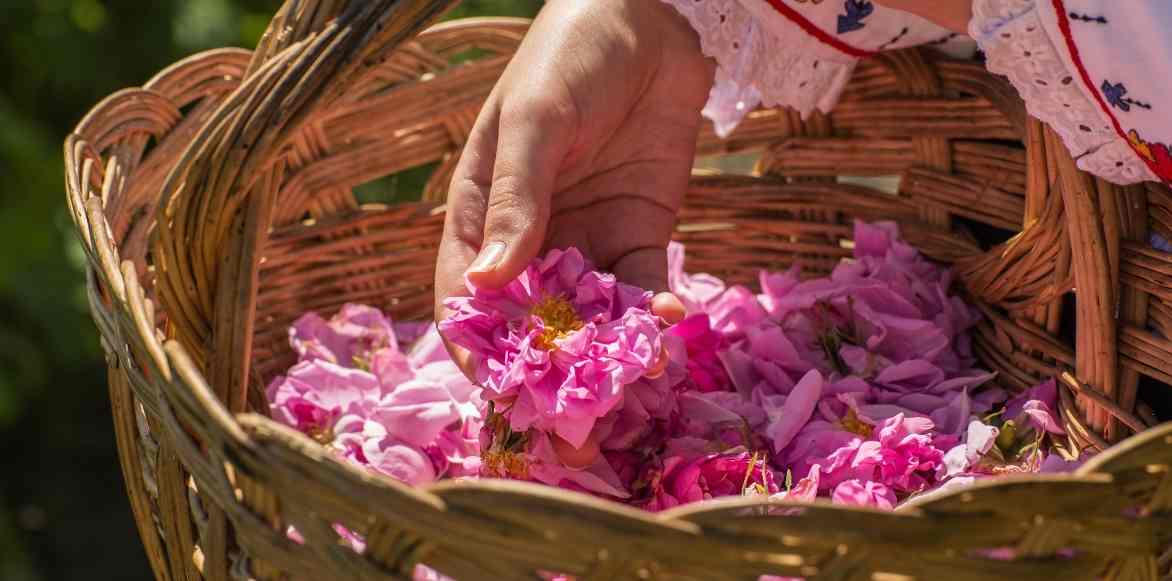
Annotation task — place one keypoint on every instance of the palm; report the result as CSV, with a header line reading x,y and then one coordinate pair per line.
x,y
617,195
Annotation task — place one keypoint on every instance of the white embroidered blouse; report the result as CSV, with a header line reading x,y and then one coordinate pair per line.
x,y
1093,70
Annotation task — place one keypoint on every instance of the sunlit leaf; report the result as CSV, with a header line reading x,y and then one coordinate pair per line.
x,y
207,23
88,15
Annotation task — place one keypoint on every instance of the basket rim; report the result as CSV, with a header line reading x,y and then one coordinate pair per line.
x,y
164,379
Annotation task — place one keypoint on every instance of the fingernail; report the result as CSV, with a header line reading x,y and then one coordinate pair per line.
x,y
668,307
490,256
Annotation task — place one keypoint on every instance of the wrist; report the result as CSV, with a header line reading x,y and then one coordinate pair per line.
x,y
951,14
682,41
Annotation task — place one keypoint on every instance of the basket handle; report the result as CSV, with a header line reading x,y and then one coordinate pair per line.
x,y
216,204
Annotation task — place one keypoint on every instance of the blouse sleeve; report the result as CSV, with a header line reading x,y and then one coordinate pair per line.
x,y
1092,70
793,53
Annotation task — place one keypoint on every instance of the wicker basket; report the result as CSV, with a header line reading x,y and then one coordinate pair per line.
x,y
215,204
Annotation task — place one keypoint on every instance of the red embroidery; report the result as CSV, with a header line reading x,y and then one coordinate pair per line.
x,y
1156,156
811,29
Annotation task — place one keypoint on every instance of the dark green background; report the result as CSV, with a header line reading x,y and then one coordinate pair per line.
x,y
62,510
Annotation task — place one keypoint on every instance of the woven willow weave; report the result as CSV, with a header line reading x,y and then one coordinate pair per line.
x,y
215,204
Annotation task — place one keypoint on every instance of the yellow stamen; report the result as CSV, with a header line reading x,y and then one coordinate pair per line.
x,y
853,424
361,362
501,464
750,487
558,319
755,489
323,435
1007,469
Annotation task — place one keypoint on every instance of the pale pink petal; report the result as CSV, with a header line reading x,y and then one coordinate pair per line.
x,y
696,291
864,493
399,460
417,411
785,421
598,478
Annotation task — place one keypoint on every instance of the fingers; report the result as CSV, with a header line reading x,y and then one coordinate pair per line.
x,y
464,221
534,139
498,204
668,307
467,204
462,358
660,367
951,14
644,267
634,244
647,268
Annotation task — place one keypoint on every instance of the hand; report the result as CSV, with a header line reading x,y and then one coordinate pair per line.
x,y
951,14
587,140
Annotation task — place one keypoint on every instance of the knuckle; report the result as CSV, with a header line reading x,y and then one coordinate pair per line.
x,y
508,191
514,195
464,217
467,185
509,214
466,229
540,109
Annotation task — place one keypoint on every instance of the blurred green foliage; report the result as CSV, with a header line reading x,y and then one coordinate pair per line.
x,y
62,510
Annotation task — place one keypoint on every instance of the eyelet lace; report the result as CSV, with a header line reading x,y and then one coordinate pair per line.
x,y
1016,45
776,67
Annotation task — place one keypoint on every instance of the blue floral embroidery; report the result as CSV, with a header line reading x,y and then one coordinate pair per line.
x,y
856,11
1159,243
895,38
1087,18
1116,95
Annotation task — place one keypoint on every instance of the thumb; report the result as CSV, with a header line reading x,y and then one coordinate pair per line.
x,y
533,142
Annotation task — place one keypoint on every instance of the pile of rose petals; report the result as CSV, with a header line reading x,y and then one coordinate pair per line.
x,y
860,387
409,414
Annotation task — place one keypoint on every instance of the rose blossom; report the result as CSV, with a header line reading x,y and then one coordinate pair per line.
x,y
864,493
901,456
702,344
556,346
856,383
680,481
409,416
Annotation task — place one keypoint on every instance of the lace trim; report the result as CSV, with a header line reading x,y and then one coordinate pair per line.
x,y
1016,45
782,66
990,15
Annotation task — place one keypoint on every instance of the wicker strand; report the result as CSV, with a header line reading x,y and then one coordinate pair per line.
x,y
241,166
